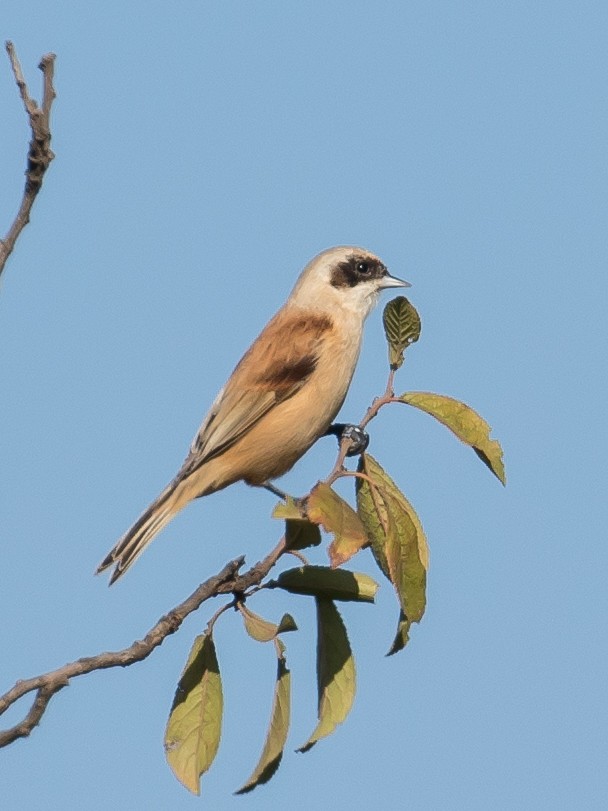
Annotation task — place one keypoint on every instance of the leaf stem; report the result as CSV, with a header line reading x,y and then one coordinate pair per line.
x,y
218,614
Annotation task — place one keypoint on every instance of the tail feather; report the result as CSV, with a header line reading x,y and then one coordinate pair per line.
x,y
150,522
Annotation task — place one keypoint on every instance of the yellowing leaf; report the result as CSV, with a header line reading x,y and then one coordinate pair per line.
x,y
262,630
423,547
279,726
402,327
324,506
300,533
397,541
335,672
288,509
332,584
467,424
193,731
258,628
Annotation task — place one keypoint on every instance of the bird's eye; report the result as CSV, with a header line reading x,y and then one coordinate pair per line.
x,y
364,268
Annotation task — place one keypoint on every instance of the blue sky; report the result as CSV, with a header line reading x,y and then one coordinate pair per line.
x,y
205,151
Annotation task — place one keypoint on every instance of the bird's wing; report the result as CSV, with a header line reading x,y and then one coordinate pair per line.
x,y
274,368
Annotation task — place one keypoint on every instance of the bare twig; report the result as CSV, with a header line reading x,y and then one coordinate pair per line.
x,y
338,468
45,686
39,154
256,574
387,397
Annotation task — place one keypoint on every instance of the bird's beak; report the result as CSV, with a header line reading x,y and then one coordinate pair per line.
x,y
391,281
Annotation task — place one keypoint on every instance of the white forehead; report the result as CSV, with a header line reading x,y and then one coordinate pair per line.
x,y
324,263
327,260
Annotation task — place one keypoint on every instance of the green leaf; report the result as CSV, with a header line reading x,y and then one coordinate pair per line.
x,y
467,424
402,637
262,630
408,575
286,624
397,540
300,533
332,584
373,513
324,506
402,327
279,726
335,672
194,727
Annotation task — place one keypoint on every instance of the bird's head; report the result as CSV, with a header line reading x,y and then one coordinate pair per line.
x,y
344,277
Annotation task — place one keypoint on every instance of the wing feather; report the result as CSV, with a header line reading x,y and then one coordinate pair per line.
x,y
275,367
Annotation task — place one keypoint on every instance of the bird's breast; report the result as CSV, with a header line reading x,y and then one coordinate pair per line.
x,y
274,444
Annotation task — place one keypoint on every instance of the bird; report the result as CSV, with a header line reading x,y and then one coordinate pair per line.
x,y
282,396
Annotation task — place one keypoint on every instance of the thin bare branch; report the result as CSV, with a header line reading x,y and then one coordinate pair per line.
x,y
338,468
227,581
39,154
387,397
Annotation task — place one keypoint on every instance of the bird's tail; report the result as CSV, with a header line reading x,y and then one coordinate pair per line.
x,y
150,522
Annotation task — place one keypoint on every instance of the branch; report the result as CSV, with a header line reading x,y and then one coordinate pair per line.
x,y
387,397
39,154
345,444
227,581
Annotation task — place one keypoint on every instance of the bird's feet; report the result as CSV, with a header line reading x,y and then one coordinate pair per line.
x,y
359,439
272,489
